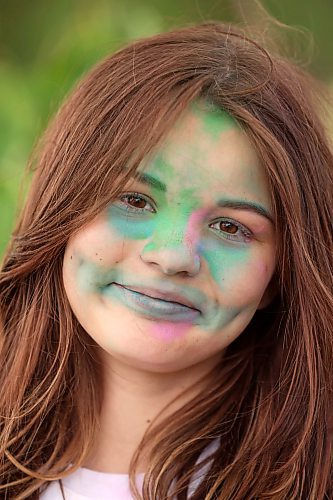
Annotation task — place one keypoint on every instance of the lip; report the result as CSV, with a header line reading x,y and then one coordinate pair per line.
x,y
167,296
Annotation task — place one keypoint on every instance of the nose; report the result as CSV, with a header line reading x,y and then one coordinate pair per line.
x,y
178,258
174,243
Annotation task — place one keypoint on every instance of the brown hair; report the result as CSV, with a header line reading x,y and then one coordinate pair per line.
x,y
270,400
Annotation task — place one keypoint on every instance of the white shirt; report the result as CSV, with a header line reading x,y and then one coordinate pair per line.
x,y
87,484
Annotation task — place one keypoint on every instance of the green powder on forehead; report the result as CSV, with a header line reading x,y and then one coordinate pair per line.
x,y
214,119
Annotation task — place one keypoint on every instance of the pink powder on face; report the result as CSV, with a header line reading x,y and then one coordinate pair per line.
x,y
167,330
262,269
192,234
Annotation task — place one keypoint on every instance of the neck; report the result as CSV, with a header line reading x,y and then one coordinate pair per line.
x,y
133,398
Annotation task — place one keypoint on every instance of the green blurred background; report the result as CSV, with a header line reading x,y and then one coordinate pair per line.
x,y
45,46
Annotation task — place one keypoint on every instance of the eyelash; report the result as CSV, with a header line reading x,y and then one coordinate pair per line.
x,y
130,208
246,233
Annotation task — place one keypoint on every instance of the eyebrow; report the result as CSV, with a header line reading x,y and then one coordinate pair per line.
x,y
245,205
151,181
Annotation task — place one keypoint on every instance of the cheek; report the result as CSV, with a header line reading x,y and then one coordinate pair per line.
x,y
100,244
241,274
128,227
250,281
88,254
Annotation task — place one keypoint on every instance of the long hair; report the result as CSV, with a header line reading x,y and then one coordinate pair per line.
x,y
270,400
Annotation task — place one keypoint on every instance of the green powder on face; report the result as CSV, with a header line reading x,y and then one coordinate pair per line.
x,y
131,226
223,260
215,120
185,185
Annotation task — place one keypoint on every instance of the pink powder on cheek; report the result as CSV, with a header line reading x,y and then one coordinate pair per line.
x,y
167,330
262,270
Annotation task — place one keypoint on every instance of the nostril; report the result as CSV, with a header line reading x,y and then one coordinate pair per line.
x,y
173,260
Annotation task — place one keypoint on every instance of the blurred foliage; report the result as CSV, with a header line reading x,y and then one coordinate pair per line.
x,y
46,46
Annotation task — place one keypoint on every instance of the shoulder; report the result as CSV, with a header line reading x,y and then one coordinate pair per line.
x,y
53,492
84,484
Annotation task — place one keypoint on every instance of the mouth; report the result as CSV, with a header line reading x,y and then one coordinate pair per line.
x,y
168,297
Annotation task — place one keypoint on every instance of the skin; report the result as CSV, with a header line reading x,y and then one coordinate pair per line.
x,y
222,258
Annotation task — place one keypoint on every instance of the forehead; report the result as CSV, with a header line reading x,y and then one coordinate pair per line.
x,y
208,153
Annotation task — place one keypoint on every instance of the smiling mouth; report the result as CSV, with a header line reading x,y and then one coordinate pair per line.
x,y
156,295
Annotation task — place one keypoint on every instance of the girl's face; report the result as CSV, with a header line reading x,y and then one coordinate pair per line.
x,y
173,271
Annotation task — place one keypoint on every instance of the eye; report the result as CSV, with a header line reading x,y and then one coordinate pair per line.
x,y
232,230
136,202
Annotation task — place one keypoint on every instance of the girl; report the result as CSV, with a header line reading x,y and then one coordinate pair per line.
x,y
166,298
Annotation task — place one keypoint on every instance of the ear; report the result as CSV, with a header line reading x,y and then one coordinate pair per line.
x,y
269,294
